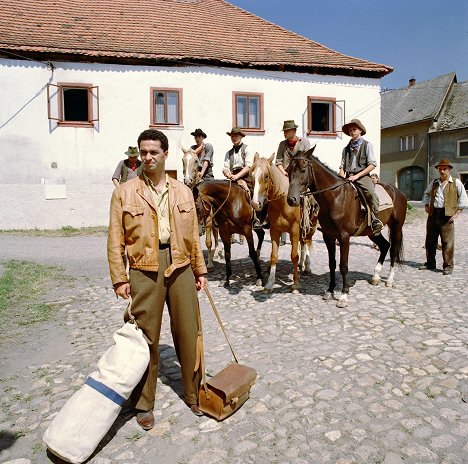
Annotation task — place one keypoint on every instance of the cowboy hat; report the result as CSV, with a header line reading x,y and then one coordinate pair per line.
x,y
444,162
132,151
236,131
198,132
354,122
290,124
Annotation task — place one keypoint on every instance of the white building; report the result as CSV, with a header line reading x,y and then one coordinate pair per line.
x,y
80,80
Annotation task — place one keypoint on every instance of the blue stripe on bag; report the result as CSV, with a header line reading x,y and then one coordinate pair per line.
x,y
106,391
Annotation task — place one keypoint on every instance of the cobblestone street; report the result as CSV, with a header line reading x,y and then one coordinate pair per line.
x,y
384,380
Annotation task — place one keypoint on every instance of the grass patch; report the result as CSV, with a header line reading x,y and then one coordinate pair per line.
x,y
66,231
23,287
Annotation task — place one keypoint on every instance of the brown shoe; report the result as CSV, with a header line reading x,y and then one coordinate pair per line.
x,y
145,419
196,410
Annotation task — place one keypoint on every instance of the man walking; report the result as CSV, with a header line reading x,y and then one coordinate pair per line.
x,y
154,217
127,169
444,200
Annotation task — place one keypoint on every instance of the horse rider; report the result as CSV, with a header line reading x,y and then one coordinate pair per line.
x,y
357,161
205,153
290,146
237,163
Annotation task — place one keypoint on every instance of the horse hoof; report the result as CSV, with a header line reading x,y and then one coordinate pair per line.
x,y
341,304
389,284
327,296
306,272
267,290
210,268
375,282
295,291
258,283
224,284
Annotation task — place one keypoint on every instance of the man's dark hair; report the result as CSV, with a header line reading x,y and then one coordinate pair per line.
x,y
153,134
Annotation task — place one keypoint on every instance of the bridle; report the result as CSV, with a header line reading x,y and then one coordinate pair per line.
x,y
311,173
207,205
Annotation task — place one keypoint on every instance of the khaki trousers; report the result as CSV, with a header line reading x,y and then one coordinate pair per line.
x,y
368,189
437,224
150,290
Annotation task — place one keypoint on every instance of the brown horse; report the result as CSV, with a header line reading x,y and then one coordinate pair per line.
x,y
271,186
190,165
340,217
227,204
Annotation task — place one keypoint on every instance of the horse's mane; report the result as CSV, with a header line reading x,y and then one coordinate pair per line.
x,y
328,168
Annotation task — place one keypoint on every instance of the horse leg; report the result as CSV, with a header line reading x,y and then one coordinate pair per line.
x,y
226,238
253,255
275,237
383,245
305,263
330,243
344,254
396,247
260,235
294,236
210,265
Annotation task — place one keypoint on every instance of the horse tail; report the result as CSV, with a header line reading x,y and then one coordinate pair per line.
x,y
396,230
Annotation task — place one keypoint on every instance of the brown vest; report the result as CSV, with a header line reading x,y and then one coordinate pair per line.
x,y
450,197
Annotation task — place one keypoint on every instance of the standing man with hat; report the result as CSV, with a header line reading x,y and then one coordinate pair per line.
x,y
290,146
357,161
205,153
444,200
127,169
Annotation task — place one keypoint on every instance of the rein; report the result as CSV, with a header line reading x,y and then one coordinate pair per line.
x,y
332,187
212,215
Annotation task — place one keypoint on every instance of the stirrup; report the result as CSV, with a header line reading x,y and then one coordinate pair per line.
x,y
376,226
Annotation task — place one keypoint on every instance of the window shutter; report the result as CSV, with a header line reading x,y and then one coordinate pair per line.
x,y
93,99
340,112
53,98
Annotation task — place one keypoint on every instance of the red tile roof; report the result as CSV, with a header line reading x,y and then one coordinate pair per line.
x,y
211,32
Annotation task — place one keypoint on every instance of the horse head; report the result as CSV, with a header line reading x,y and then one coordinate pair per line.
x,y
261,180
190,167
300,173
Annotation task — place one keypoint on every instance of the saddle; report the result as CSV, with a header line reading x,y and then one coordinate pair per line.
x,y
385,202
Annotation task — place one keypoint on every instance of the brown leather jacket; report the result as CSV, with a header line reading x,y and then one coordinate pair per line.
x,y
134,224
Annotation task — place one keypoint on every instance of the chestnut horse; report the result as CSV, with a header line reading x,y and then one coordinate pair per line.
x,y
340,217
228,205
190,165
271,186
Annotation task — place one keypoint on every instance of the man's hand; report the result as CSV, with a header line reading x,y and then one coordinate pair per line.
x,y
201,282
353,178
457,213
123,290
426,207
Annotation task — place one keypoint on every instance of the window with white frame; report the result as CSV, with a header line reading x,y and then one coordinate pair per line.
x,y
166,107
462,148
321,116
407,142
248,111
73,104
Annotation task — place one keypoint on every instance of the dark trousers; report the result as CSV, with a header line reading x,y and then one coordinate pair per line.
x,y
437,224
150,290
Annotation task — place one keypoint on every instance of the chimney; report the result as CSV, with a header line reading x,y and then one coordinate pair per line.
x,y
412,81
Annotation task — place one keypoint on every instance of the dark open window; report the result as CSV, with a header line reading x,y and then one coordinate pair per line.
x,y
321,116
73,104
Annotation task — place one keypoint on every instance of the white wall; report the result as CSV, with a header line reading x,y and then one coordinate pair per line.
x,y
87,157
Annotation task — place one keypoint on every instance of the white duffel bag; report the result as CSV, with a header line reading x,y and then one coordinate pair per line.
x,y
87,416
